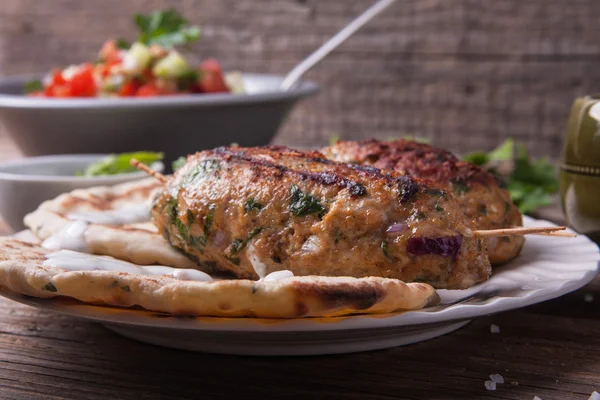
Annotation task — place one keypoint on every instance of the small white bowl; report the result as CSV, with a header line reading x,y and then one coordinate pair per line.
x,y
26,183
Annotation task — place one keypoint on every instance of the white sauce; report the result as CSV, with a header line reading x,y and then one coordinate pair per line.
x,y
259,267
179,273
125,215
71,237
279,275
75,261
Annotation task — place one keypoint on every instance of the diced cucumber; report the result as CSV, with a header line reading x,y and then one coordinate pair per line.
x,y
172,66
235,82
137,58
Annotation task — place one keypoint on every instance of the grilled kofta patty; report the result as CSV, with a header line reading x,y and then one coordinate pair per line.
x,y
484,202
250,212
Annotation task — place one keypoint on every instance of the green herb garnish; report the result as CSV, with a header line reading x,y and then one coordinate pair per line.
x,y
460,186
438,207
304,203
209,219
122,44
233,260
530,182
165,28
190,217
252,204
180,162
385,248
119,163
199,242
171,209
186,80
203,168
239,244
182,229
33,86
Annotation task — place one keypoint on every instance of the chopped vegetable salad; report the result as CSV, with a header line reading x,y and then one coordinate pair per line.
x,y
149,67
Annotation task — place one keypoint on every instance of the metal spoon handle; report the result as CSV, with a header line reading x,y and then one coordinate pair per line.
x,y
292,77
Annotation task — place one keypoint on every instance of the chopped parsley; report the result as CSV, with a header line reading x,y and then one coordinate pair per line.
x,y
203,168
233,260
421,215
190,217
460,186
33,86
182,229
238,244
252,204
209,219
385,248
438,207
303,204
171,209
199,242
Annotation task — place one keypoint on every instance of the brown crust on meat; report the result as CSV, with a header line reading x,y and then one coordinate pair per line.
x,y
480,195
417,159
315,217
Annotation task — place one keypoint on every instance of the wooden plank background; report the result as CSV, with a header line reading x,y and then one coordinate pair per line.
x,y
465,73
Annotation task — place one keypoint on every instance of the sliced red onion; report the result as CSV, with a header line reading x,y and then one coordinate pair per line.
x,y
447,246
396,229
218,239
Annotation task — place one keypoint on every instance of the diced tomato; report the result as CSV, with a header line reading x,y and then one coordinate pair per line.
x,y
109,52
129,89
148,90
58,91
57,78
211,77
83,84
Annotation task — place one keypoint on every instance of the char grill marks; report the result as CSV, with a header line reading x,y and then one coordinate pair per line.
x,y
285,160
418,159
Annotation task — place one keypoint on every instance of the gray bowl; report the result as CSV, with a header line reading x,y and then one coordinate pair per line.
x,y
175,125
26,183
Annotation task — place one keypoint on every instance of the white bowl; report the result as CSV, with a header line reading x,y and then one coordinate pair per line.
x,y
26,183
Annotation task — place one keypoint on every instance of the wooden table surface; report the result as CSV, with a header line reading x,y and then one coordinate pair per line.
x,y
550,350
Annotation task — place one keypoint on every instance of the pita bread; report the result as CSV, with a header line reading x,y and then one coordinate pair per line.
x,y
21,270
138,243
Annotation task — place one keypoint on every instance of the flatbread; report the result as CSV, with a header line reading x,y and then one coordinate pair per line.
x,y
21,270
138,243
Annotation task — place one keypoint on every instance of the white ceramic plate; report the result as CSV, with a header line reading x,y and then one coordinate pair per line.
x,y
547,268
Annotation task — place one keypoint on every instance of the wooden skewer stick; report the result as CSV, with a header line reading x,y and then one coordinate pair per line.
x,y
559,234
144,168
544,230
